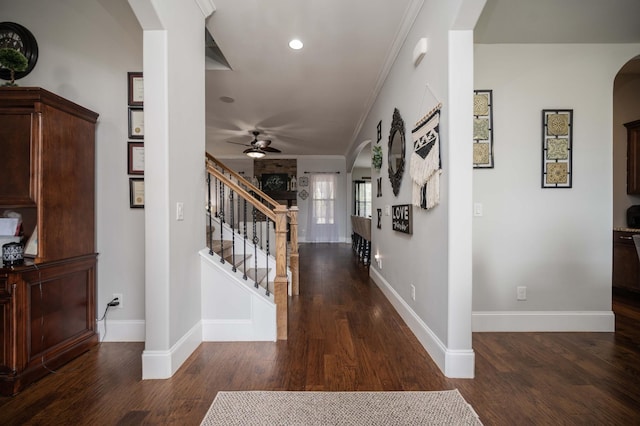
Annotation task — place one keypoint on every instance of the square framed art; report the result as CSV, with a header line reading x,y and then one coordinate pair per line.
x,y
482,129
557,148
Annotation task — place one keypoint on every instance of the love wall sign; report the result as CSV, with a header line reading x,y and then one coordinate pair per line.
x,y
402,218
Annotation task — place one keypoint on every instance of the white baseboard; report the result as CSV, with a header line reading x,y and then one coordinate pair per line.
x,y
545,321
163,364
242,330
122,330
453,363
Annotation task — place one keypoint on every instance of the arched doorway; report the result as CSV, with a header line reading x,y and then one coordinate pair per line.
x,y
626,109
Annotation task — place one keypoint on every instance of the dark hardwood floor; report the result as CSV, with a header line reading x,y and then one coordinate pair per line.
x,y
345,336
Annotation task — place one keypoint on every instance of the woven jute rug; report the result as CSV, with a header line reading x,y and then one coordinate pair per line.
x,y
340,408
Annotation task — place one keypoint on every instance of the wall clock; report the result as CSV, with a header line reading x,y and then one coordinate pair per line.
x,y
18,37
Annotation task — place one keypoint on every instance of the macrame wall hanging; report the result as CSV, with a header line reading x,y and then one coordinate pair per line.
x,y
425,166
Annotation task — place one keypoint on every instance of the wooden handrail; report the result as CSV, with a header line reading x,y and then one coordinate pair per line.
x,y
243,180
240,190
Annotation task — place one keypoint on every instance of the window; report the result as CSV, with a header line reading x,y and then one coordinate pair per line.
x,y
362,198
323,199
322,220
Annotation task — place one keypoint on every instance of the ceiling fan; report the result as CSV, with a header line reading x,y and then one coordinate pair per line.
x,y
258,147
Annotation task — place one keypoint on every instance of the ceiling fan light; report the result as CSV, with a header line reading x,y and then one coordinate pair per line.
x,y
295,44
254,153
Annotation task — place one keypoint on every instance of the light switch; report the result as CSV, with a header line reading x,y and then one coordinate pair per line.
x,y
179,211
477,209
387,210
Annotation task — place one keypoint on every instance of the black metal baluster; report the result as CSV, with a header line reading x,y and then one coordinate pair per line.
x,y
210,230
255,249
221,215
244,263
268,252
233,234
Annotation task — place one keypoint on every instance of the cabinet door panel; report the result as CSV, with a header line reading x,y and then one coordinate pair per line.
x,y
633,157
15,146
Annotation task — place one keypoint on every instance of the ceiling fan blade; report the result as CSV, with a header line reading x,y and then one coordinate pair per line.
x,y
238,143
270,149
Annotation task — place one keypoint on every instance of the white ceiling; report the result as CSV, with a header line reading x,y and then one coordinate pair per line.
x,y
309,101
312,101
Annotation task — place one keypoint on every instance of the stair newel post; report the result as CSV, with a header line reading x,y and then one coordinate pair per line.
x,y
210,218
294,261
221,216
244,241
233,233
280,283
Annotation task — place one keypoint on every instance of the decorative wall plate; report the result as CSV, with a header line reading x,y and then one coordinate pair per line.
x,y
303,181
18,37
303,194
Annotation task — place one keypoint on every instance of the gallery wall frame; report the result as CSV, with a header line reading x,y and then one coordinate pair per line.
x,y
135,88
136,193
557,148
136,123
483,129
135,158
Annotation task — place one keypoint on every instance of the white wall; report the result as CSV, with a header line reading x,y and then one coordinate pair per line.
x,y
440,315
556,242
85,51
359,173
626,108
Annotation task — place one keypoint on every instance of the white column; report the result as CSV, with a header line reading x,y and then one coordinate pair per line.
x,y
174,89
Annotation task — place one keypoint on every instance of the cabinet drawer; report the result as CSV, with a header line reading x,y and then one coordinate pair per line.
x,y
626,266
623,237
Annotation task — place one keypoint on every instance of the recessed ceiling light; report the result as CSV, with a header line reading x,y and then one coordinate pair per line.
x,y
295,44
227,99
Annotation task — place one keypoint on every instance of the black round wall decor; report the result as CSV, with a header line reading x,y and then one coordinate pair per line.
x,y
18,37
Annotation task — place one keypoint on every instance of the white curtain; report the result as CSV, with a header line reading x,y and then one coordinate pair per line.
x,y
322,224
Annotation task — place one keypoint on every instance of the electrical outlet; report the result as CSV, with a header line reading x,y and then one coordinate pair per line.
x,y
413,292
119,296
521,293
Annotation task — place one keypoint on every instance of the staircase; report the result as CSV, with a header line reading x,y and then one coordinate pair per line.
x,y
249,269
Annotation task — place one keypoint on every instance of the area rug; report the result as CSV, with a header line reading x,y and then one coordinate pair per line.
x,y
340,408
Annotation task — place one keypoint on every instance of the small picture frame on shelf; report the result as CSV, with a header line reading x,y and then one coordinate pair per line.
x,y
136,193
135,88
135,158
31,248
136,123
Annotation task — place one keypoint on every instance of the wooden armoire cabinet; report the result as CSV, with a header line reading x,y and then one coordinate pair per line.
x,y
47,305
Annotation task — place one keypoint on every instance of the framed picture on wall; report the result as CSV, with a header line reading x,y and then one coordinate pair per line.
x,y
482,129
275,181
135,158
136,193
557,148
135,88
136,123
